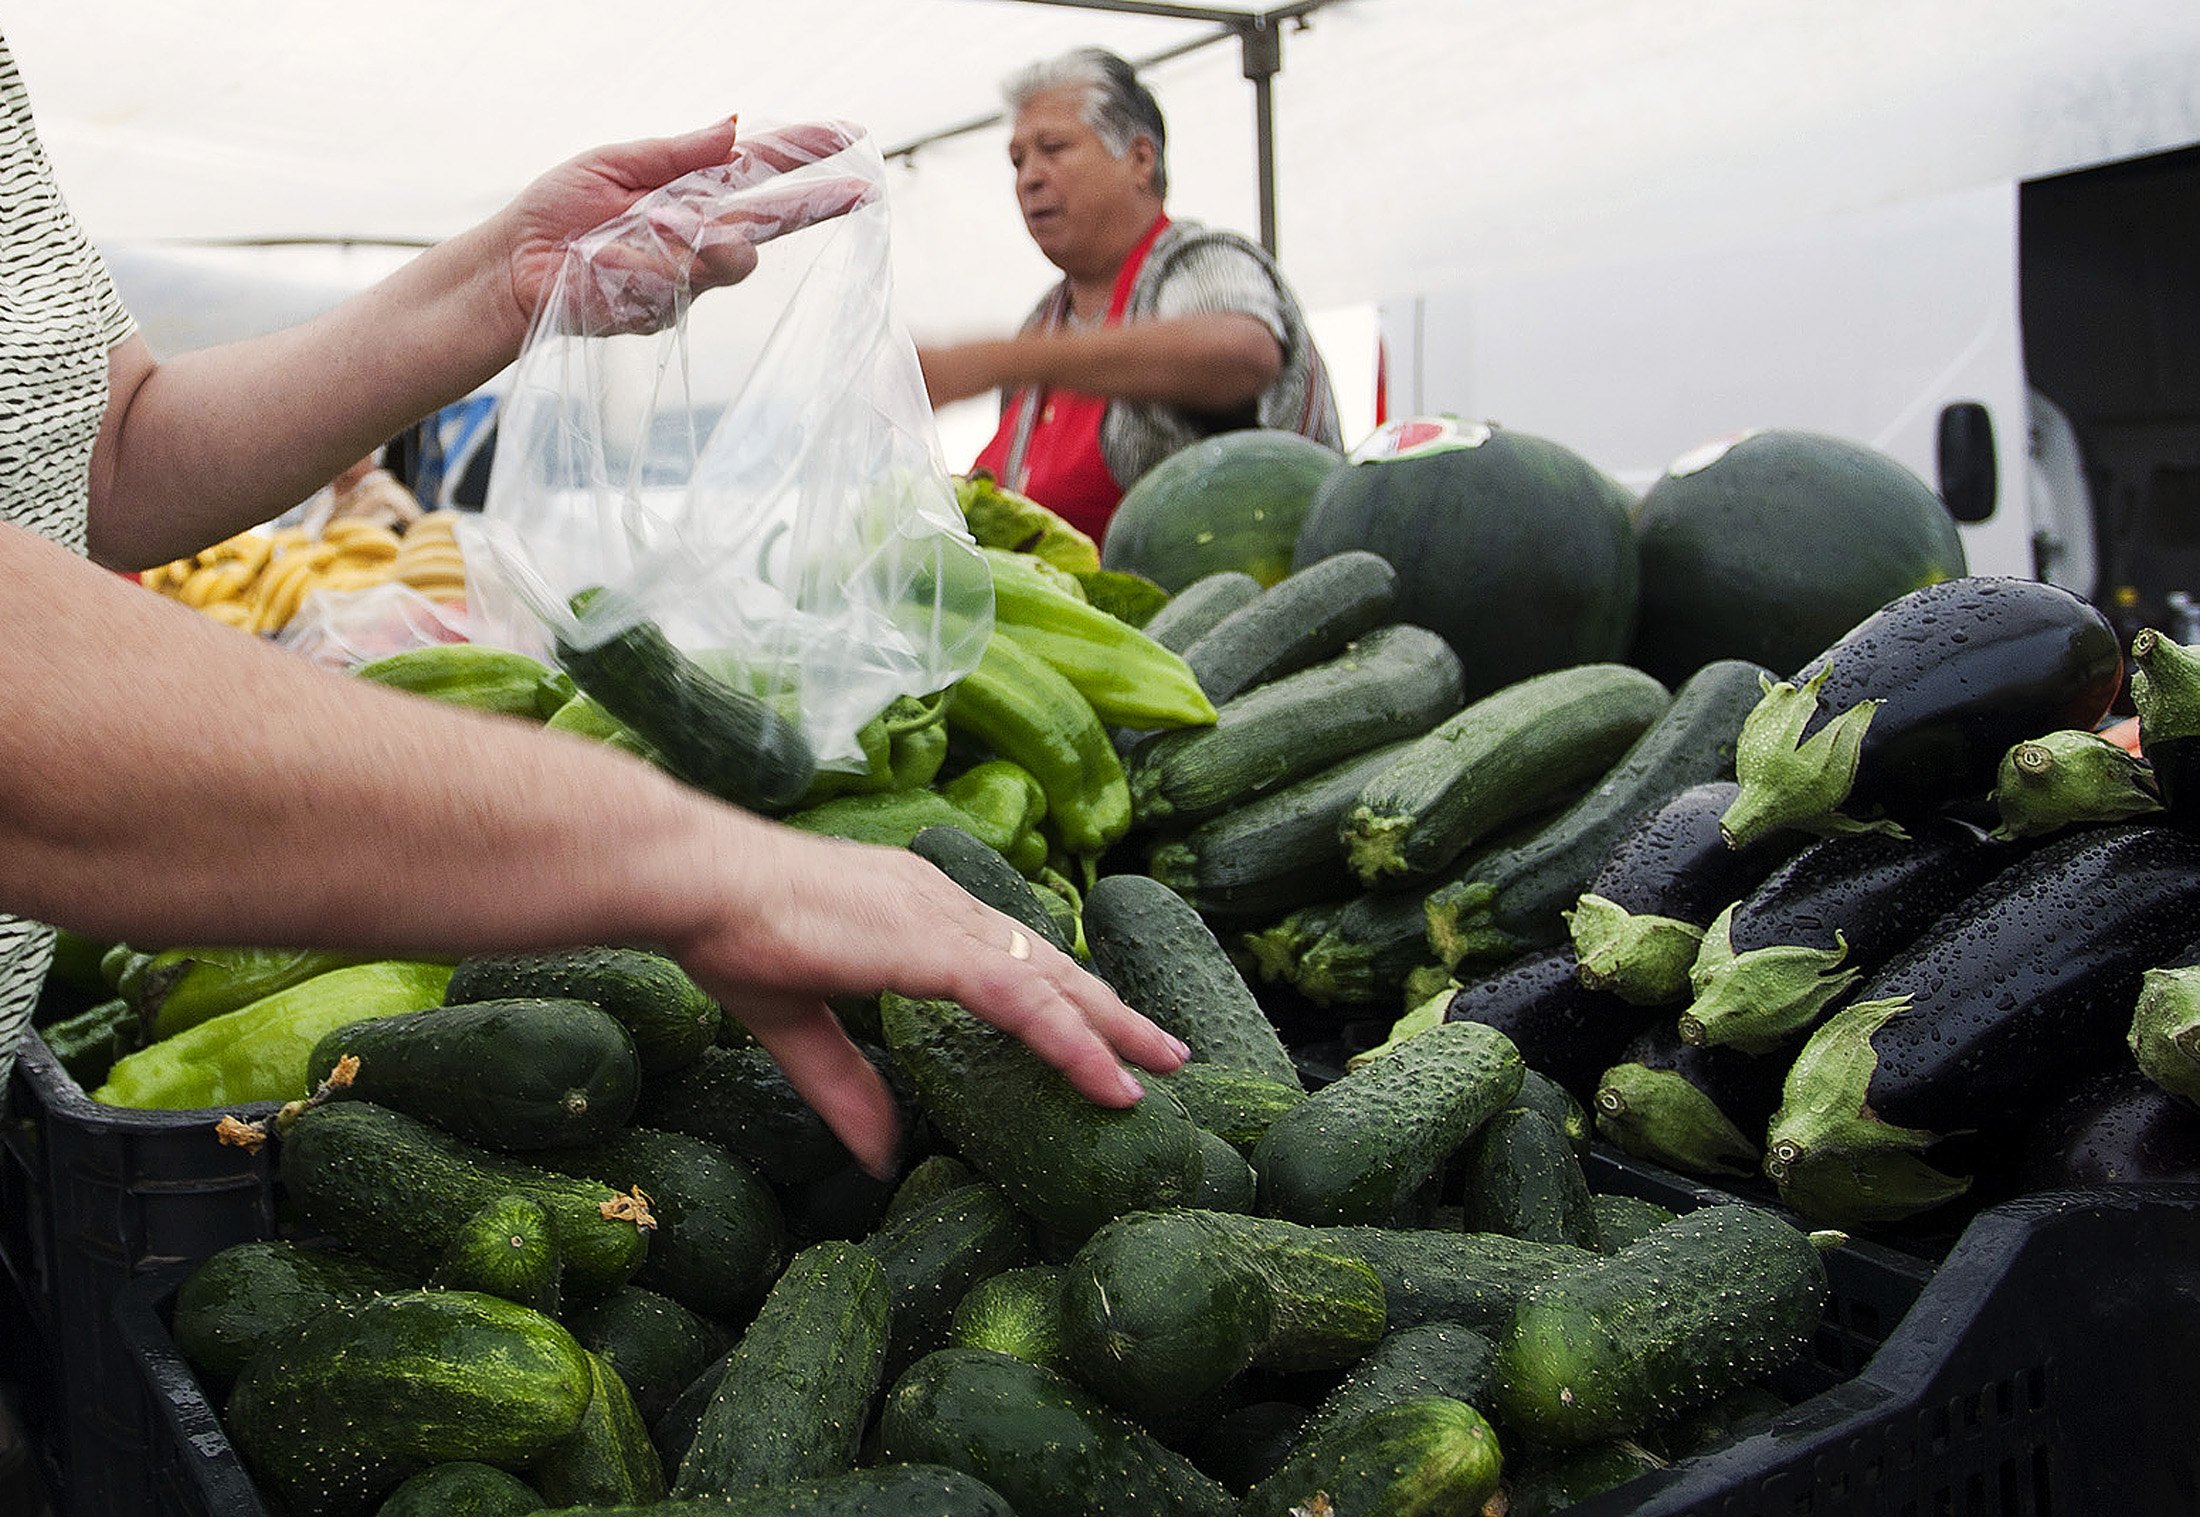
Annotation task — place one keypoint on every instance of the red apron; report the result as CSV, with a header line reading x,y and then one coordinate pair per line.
x,y
1053,456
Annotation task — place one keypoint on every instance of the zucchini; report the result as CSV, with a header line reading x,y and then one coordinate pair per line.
x,y
1524,1180
1311,614
1360,954
1017,1312
1395,683
462,1488
1042,1441
740,1099
1425,1456
722,740
397,1191
1068,1164
1230,1103
983,871
248,1293
608,1460
1434,1359
656,1345
343,1409
513,1075
1504,757
797,1392
1199,606
505,1249
670,1018
1164,961
1443,1275
1357,1150
1563,1029
933,1257
1702,1306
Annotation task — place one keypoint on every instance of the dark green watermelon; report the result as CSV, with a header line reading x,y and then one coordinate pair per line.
x,y
1232,501
1771,545
1517,550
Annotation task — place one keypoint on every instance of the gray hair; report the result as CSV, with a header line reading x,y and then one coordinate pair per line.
x,y
1118,108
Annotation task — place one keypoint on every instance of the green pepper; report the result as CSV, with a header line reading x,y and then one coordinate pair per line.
x,y
903,747
585,716
464,674
260,1052
183,987
1019,707
1029,853
88,1043
886,817
1127,677
1003,801
1000,518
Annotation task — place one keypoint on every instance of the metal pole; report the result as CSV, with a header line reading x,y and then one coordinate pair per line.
x,y
1262,46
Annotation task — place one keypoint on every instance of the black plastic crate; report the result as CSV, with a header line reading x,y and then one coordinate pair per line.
x,y
91,1197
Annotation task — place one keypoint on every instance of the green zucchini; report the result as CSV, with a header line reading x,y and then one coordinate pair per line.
x,y
1161,1309
1018,1312
1433,1359
1700,1307
794,1399
720,739
1361,953
740,1099
933,1257
1047,1445
1397,682
248,1293
1441,1275
657,1345
1230,1103
1308,615
608,1460
1164,961
987,874
1524,1180
1426,1456
513,1075
505,1249
1357,1150
462,1488
670,1017
1199,606
1504,757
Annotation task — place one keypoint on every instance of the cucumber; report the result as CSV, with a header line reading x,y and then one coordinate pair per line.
x,y
720,739
739,1099
1438,1275
1702,1306
462,1488
1502,758
1068,1164
794,1399
513,1075
1161,1309
608,1460
244,1295
1426,1456
670,1017
1622,1219
1226,1181
1016,1312
1040,1440
1199,606
656,1345
1230,1103
1164,961
1307,616
337,1413
1357,1150
930,1178
1395,683
983,871
396,1191
1524,1180
920,1490
1434,1359
1555,1104
505,1249
932,1259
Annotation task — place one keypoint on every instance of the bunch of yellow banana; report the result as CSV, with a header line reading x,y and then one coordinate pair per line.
x,y
257,580
429,559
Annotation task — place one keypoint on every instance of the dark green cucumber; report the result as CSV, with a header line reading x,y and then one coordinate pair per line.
x,y
1426,1456
1274,853
397,1191
505,1249
462,1488
1199,606
1702,1306
1226,1181
1357,1150
720,1238
1039,1439
1485,768
342,1410
670,1017
608,1460
1519,896
515,1075
1067,1163
1230,1103
933,1257
739,1099
1307,616
919,1490
1160,1309
794,1399
1156,953
657,1345
719,739
1541,1094
1622,1219
1434,1359
1524,1180
1397,682
248,1293
1018,1312
930,1178
987,874
1439,1275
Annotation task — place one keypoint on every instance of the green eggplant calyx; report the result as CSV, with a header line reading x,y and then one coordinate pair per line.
x,y
2069,777
2165,687
1640,957
1785,780
1832,1158
1760,998
1656,1115
2165,1029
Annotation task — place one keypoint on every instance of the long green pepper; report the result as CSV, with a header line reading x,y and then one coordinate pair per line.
x,y
1127,677
1018,706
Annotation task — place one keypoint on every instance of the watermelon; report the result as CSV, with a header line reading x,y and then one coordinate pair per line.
x,y
1231,501
1772,544
1515,549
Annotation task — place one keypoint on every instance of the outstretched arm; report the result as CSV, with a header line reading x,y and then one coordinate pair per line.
x,y
167,779
1212,361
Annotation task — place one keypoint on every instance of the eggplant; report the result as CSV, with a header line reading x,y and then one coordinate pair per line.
x,y
1775,962
1689,1108
1563,1029
1995,1011
2115,1128
1917,704
2165,690
1635,930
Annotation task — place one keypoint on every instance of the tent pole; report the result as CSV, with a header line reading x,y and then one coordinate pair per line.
x,y
1262,47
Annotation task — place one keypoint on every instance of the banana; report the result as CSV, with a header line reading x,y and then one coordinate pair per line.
x,y
234,613
198,586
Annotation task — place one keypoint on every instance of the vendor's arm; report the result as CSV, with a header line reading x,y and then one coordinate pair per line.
x,y
169,780
1209,361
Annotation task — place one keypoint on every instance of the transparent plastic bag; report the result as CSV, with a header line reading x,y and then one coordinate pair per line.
x,y
762,477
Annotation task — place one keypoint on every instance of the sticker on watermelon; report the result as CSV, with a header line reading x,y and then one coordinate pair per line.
x,y
1697,459
1413,436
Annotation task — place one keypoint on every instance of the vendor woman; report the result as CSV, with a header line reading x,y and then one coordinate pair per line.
x,y
1160,332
